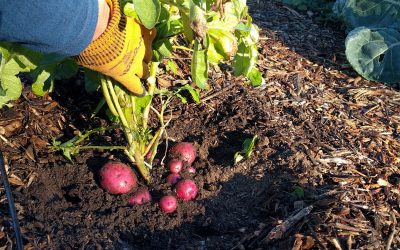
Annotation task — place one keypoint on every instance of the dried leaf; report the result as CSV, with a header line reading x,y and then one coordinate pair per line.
x,y
38,143
15,180
30,152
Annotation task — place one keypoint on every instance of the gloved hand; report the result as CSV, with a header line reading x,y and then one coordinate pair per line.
x,y
122,51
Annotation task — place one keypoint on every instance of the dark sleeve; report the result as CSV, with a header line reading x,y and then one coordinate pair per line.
x,y
64,27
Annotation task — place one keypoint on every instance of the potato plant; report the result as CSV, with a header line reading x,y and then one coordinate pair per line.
x,y
213,31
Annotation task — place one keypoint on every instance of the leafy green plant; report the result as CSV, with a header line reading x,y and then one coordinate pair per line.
x,y
44,69
248,146
210,34
74,145
373,44
298,192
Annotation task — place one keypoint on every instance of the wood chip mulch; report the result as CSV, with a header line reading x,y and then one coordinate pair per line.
x,y
353,165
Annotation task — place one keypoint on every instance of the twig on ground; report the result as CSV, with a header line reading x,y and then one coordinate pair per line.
x,y
336,244
393,233
349,242
248,236
350,228
316,237
278,231
7,141
223,90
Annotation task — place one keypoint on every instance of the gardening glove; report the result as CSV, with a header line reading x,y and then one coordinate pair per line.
x,y
122,51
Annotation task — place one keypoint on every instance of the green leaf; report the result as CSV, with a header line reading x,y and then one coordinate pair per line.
x,y
92,80
245,58
171,66
240,8
199,66
44,81
163,48
238,157
112,117
370,13
298,192
375,53
248,146
222,44
28,59
10,84
247,149
183,99
184,12
198,21
165,14
10,68
5,53
193,93
141,103
148,11
256,78
129,10
213,55
66,69
168,29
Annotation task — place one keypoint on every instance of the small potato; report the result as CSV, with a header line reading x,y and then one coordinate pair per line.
x,y
117,178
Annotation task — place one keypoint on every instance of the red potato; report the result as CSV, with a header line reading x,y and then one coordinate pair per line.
x,y
141,196
173,178
186,190
117,178
191,170
175,166
183,151
168,204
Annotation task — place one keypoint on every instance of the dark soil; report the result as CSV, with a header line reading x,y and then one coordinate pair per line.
x,y
327,155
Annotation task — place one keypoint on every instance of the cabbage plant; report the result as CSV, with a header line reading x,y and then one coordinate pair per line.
x,y
373,43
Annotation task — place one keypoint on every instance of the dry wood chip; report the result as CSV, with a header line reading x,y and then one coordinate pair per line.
x,y
15,180
279,230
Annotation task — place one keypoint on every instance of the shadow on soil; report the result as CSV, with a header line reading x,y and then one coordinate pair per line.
x,y
229,143
236,211
242,213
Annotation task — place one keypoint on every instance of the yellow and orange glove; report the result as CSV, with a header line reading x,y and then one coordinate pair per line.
x,y
122,51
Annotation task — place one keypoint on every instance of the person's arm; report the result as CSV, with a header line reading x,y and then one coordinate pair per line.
x,y
95,32
102,19
65,27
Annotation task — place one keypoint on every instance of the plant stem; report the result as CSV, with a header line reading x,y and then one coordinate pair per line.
x,y
88,133
156,139
107,96
120,112
98,107
141,166
102,147
133,146
151,81
133,103
181,47
151,143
